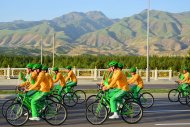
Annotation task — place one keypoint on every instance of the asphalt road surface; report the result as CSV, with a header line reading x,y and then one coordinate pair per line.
x,y
93,86
162,114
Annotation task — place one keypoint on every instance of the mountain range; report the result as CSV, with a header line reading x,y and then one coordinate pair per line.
x,y
94,33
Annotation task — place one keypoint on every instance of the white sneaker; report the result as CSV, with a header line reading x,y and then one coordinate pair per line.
x,y
114,116
35,118
25,114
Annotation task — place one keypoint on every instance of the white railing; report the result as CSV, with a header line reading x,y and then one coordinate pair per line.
x,y
95,73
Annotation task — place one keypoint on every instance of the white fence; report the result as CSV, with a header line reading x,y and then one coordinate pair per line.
x,y
95,73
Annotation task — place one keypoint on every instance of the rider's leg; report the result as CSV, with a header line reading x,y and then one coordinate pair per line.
x,y
69,85
184,89
113,103
34,104
136,91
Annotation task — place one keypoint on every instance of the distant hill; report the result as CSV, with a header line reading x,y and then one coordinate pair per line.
x,y
94,33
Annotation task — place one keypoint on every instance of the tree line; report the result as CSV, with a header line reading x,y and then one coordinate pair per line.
x,y
90,61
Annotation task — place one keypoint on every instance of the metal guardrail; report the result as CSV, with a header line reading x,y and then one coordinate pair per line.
x,y
95,73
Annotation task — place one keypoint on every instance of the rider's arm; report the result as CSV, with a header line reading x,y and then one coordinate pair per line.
x,y
133,79
68,76
113,81
39,80
24,84
186,78
57,78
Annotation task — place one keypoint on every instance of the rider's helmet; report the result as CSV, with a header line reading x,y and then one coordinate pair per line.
x,y
55,69
185,68
30,66
37,66
68,67
113,64
133,69
120,65
44,68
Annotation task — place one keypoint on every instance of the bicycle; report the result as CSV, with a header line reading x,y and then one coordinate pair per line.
x,y
97,112
73,97
8,102
174,93
145,99
52,112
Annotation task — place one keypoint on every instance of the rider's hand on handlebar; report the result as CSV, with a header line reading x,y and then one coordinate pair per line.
x,y
104,88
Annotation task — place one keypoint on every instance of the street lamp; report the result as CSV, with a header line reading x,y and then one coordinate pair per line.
x,y
148,25
53,49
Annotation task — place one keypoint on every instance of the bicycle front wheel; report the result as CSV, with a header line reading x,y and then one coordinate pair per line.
x,y
173,95
131,112
96,113
70,99
146,100
6,104
17,114
81,96
55,114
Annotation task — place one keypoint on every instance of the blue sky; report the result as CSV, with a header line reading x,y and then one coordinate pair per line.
x,y
32,10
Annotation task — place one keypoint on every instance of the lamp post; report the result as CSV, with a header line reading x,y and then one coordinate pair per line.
x,y
148,25
53,49
41,50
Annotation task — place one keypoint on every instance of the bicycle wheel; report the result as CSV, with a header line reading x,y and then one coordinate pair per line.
x,y
91,99
146,100
70,99
81,95
55,114
6,104
56,98
188,100
131,112
96,113
173,95
182,98
17,114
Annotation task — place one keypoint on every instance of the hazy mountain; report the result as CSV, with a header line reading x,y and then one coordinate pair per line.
x,y
94,33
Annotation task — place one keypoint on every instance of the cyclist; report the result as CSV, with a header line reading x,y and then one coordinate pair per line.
x,y
45,69
59,77
28,71
135,78
29,79
107,77
120,80
184,81
71,79
43,83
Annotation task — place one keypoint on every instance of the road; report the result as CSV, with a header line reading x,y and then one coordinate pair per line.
x,y
163,113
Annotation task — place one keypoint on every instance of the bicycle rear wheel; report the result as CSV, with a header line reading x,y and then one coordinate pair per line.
x,y
91,99
55,114
70,99
182,98
81,96
6,104
146,100
96,113
131,112
17,114
173,95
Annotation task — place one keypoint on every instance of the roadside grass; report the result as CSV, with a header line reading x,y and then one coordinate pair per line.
x,y
94,91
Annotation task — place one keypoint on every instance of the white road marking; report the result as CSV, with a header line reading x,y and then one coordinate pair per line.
x,y
160,111
172,124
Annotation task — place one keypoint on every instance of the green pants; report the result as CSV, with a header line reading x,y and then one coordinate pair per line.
x,y
36,101
135,90
117,97
185,89
58,88
69,85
